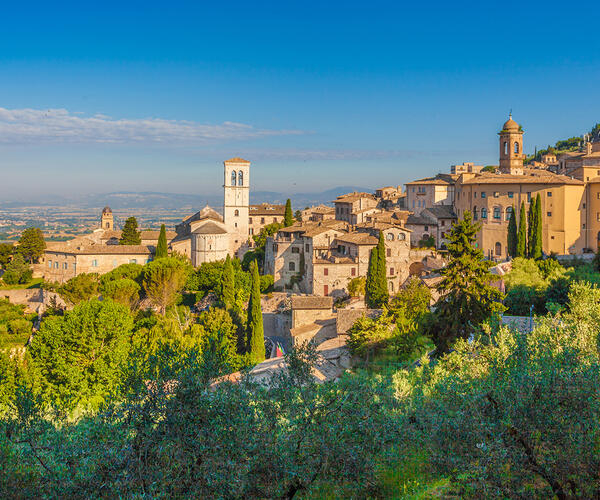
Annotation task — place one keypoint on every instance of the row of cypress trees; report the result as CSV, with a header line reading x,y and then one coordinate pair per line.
x,y
526,239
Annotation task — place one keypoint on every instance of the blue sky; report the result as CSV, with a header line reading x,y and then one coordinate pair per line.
x,y
153,96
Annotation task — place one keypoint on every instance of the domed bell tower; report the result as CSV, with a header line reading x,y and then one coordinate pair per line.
x,y
511,148
236,204
107,220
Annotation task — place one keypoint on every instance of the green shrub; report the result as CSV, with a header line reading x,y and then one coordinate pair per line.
x,y
19,326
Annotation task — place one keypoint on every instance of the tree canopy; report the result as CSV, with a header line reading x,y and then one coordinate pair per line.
x,y
130,234
467,296
31,244
288,218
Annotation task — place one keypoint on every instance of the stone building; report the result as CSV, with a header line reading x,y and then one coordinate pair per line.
x,y
433,221
466,167
263,215
429,192
354,207
317,213
320,258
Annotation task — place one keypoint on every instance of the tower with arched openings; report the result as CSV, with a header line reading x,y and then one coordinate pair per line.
x,y
511,148
236,203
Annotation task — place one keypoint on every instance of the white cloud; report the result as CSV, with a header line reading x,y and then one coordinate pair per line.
x,y
61,125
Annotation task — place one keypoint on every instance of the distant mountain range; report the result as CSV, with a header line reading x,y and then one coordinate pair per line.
x,y
171,201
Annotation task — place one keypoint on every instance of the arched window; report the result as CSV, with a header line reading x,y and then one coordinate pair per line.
x,y
484,213
236,213
475,213
498,248
516,147
401,236
389,236
292,266
505,147
508,212
497,213
240,178
233,177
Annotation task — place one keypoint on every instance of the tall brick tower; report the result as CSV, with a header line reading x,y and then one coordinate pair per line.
x,y
236,203
511,147
107,221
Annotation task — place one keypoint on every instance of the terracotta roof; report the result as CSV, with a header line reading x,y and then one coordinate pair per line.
x,y
510,124
237,159
102,249
206,213
267,209
210,228
439,180
358,239
420,220
311,302
542,177
322,209
442,211
350,197
144,235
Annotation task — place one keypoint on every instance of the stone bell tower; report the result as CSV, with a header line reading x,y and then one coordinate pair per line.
x,y
107,221
236,204
511,148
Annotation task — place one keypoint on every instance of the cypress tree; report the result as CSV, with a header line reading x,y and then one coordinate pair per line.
x,y
522,234
376,291
466,295
531,228
228,285
512,234
537,240
161,246
288,218
255,337
130,235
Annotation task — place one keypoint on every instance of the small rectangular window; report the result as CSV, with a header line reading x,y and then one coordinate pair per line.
x,y
250,220
50,264
483,195
353,271
550,193
584,205
262,220
94,263
528,197
496,194
391,271
133,261
307,247
325,271
549,214
511,194
295,250
56,265
389,252
65,265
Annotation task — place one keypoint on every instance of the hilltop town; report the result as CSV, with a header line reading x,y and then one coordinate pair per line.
x,y
329,245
